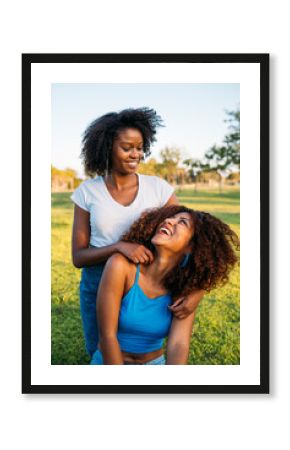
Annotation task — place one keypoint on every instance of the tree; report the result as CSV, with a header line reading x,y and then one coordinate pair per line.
x,y
234,177
207,176
171,158
195,167
232,140
148,167
63,180
225,158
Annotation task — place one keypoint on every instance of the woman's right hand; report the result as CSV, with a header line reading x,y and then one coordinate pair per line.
x,y
136,253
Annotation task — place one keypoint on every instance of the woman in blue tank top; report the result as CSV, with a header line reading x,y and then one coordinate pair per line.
x,y
192,251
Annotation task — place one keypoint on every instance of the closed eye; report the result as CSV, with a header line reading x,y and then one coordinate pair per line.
x,y
130,148
184,222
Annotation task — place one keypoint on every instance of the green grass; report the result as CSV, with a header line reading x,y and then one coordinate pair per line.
x,y
216,334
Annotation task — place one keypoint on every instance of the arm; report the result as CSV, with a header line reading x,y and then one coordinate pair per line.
x,y
82,255
185,306
178,340
173,200
110,294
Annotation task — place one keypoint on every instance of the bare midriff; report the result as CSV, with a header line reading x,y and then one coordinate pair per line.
x,y
141,358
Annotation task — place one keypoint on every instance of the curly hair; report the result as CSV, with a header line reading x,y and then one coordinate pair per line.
x,y
214,247
98,137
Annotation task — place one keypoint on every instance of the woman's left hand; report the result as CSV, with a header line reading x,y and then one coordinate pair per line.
x,y
184,306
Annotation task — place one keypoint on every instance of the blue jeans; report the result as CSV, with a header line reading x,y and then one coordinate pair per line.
x,y
97,360
89,284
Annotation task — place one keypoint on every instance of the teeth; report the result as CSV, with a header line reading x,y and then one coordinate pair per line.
x,y
166,231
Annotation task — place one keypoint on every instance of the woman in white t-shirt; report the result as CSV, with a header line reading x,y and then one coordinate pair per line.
x,y
107,204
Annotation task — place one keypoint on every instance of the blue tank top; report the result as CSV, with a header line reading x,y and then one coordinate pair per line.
x,y
143,322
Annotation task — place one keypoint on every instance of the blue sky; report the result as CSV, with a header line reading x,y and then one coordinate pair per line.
x,y
193,114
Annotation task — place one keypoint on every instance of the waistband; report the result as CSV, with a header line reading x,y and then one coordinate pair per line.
x,y
97,359
159,360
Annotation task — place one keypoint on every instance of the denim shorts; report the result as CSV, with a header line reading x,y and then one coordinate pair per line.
x,y
97,360
89,284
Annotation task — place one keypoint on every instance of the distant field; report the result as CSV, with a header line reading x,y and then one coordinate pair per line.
x,y
216,334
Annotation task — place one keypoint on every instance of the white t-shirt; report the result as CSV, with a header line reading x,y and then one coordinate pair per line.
x,y
109,220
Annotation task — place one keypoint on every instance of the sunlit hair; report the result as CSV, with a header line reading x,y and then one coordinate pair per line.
x,y
213,254
99,136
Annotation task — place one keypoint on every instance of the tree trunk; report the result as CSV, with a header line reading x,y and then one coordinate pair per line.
x,y
221,184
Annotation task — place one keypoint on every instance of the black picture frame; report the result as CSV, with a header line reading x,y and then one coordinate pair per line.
x,y
263,61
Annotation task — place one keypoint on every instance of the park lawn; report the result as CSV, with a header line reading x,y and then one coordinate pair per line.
x,y
216,333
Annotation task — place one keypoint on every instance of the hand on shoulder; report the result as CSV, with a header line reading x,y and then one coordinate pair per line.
x,y
118,273
136,253
118,261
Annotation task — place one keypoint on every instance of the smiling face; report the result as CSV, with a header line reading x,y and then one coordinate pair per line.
x,y
127,151
175,233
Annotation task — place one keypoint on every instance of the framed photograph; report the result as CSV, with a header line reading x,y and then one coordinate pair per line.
x,y
145,223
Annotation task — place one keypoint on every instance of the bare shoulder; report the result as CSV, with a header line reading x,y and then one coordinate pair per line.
x,y
121,270
120,265
118,261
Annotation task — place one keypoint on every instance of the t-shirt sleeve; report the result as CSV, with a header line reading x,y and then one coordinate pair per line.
x,y
79,197
165,191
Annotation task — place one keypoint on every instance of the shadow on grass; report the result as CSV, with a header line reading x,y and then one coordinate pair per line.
x,y
60,225
207,201
235,195
229,218
61,200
